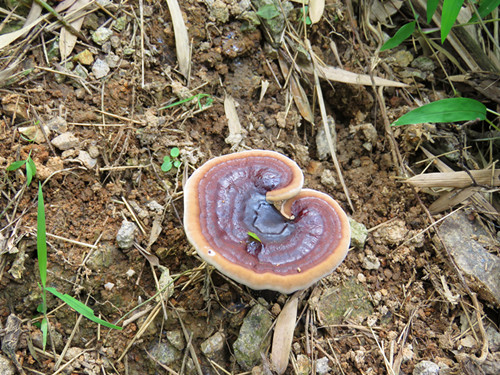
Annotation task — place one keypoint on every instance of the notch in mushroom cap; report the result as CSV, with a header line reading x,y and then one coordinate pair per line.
x,y
232,195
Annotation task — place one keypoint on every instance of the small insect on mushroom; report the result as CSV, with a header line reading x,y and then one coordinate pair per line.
x,y
232,197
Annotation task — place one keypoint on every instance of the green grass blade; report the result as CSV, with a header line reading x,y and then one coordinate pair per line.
x,y
41,238
81,308
401,35
16,165
44,328
431,9
486,7
451,8
446,110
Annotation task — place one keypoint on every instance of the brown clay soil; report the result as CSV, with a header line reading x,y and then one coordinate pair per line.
x,y
118,121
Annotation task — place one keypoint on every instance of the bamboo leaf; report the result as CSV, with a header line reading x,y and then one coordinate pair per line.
x,y
451,8
401,35
431,9
486,7
446,110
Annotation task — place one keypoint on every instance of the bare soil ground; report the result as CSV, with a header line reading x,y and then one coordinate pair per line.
x,y
118,122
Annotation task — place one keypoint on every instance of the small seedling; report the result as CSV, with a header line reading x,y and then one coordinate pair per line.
x,y
171,161
30,168
254,237
305,11
41,246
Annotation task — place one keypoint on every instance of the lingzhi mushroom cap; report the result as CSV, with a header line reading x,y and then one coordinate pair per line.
x,y
231,220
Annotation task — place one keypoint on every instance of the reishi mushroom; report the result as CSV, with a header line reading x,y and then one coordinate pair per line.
x,y
232,198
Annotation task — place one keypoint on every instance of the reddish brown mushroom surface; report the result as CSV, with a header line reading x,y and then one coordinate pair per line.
x,y
232,195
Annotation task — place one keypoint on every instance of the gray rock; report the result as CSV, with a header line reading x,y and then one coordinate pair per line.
x,y
322,366
57,124
112,60
126,235
321,139
423,63
65,141
253,337
328,179
176,338
81,71
371,262
426,368
165,353
464,240
213,345
102,35
103,257
6,366
359,234
100,68
335,301
86,159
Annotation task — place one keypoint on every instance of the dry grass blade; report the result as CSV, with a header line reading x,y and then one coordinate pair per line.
x,y
456,179
283,334
316,8
340,75
300,98
67,38
452,198
7,39
233,123
327,128
181,38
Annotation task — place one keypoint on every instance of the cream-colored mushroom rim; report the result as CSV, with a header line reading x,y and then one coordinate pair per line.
x,y
282,283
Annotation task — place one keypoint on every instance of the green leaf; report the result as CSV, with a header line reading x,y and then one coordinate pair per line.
x,y
30,170
486,7
268,11
174,152
44,328
165,167
451,8
254,236
445,110
81,308
401,35
166,159
41,238
177,163
431,9
16,165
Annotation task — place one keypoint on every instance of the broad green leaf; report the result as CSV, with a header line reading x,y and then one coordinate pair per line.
x,y
486,7
166,159
404,32
44,328
81,308
174,152
431,9
268,11
177,163
41,238
451,8
16,165
445,110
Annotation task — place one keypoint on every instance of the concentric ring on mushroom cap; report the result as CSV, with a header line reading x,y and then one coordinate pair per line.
x,y
229,196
